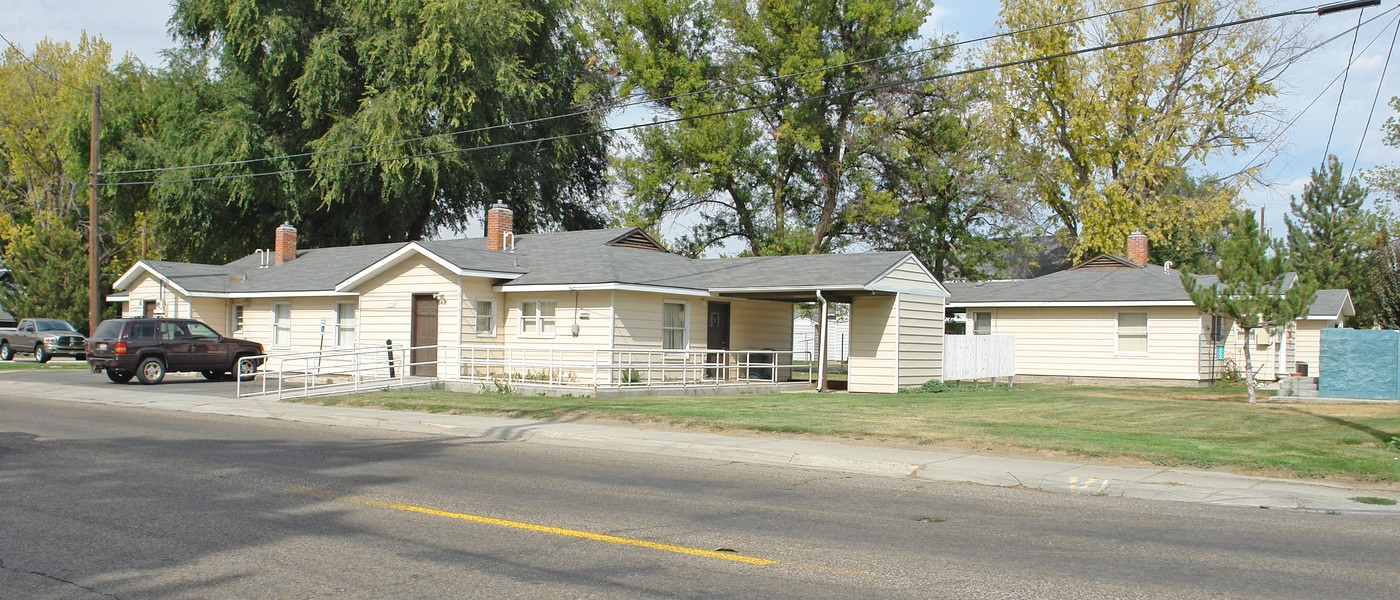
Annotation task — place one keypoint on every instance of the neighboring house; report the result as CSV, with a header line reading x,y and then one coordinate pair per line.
x,y
1120,320
806,337
613,294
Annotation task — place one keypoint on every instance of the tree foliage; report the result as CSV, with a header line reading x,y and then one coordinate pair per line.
x,y
1105,135
1384,281
1251,289
783,177
346,81
1330,234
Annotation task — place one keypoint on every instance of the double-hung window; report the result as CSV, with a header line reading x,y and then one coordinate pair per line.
x,y
675,327
1132,333
537,318
281,325
345,324
486,318
236,319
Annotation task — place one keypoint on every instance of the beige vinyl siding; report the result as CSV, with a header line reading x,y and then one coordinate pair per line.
x,y
638,324
1309,344
473,289
306,315
386,303
757,325
873,364
920,339
569,308
908,275
1083,342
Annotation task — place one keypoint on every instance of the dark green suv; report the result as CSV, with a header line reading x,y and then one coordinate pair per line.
x,y
148,348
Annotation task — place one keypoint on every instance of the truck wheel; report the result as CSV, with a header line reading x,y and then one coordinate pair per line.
x,y
151,370
212,375
118,376
6,352
246,368
41,353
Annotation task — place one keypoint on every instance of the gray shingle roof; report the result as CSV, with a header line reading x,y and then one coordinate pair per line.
x,y
563,258
1151,283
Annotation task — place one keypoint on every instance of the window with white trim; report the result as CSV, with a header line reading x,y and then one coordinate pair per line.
x,y
537,318
281,325
981,323
236,318
1132,333
675,327
485,318
344,324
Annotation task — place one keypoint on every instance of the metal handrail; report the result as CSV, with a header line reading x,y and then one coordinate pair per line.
x,y
552,366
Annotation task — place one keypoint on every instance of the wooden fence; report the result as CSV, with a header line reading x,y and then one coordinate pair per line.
x,y
974,357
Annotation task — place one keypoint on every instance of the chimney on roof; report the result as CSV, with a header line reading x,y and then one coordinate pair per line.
x,y
285,246
1137,248
500,223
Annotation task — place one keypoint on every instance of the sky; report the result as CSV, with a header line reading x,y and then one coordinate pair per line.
x,y
139,28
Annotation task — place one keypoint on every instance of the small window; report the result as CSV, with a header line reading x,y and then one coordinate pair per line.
x,y
486,318
537,318
345,324
1217,328
674,326
202,333
236,319
174,331
981,323
1132,333
282,325
143,330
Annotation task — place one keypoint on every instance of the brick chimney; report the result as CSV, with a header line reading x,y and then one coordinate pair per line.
x,y
285,247
1137,248
499,222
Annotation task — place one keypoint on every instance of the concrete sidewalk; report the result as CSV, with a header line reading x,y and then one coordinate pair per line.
x,y
1153,483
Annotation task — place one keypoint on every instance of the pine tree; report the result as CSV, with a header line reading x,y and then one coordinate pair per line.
x,y
1384,284
1330,233
1250,285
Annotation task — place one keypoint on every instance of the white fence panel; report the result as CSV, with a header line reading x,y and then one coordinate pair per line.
x,y
973,357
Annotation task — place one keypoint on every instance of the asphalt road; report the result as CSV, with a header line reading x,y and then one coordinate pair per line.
x,y
108,502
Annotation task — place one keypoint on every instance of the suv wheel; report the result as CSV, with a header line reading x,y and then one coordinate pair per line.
x,y
6,352
246,369
41,353
212,375
151,370
118,376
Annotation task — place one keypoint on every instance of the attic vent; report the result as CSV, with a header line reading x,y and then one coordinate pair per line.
x,y
1106,261
638,239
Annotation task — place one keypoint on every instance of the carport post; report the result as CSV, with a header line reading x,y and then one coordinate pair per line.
x,y
389,349
821,347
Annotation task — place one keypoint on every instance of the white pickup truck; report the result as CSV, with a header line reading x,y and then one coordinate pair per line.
x,y
44,338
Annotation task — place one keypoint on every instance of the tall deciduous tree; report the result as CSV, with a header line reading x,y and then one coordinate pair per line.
x,y
1105,134
347,80
779,178
1250,289
1330,233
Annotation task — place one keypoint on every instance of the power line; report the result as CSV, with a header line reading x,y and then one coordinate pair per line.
x,y
1351,58
1374,99
876,87
643,100
1320,94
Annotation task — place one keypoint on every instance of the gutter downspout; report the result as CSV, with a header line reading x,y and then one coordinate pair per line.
x,y
821,349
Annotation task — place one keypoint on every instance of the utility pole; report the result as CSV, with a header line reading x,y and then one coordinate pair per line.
x,y
94,291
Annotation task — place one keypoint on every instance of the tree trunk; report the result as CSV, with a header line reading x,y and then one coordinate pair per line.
x,y
1248,366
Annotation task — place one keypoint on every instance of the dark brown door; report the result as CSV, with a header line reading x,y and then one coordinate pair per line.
x,y
717,335
425,333
148,308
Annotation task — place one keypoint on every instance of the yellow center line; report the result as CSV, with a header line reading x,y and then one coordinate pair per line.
x,y
598,537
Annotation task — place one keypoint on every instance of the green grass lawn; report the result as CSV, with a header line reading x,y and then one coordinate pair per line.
x,y
1200,427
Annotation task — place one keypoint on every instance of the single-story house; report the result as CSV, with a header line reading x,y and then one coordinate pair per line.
x,y
611,298
1112,319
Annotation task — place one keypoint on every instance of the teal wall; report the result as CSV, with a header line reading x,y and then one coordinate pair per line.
x,y
1360,363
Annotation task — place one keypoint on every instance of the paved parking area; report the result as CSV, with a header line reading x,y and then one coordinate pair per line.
x,y
189,384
